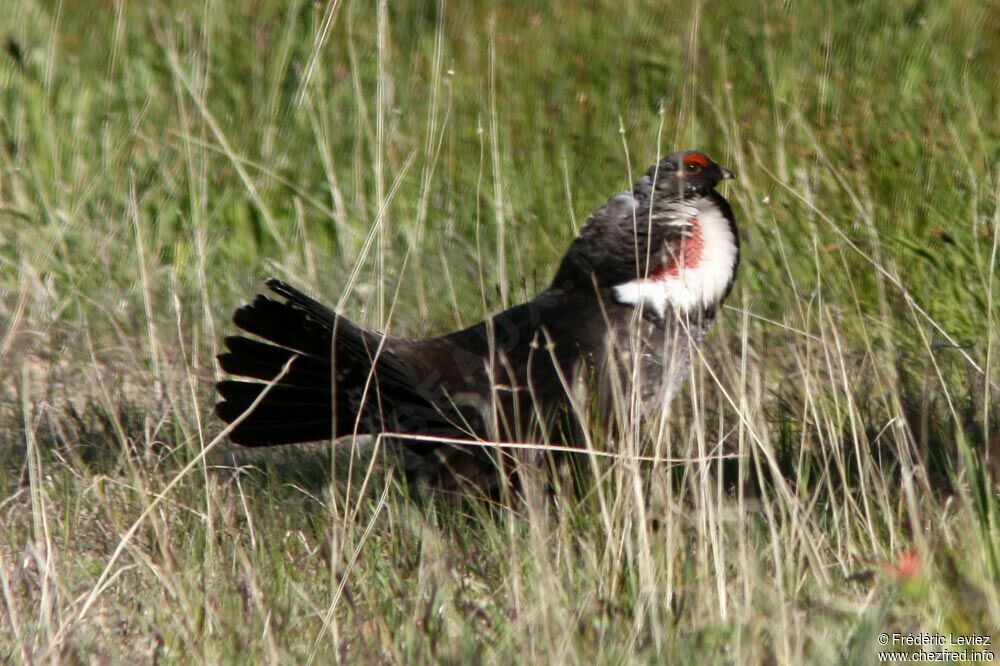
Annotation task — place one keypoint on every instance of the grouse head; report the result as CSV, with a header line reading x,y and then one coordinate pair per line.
x,y
685,174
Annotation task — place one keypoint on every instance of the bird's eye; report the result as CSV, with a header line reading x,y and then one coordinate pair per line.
x,y
692,167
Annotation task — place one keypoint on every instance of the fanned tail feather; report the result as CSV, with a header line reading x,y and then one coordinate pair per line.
x,y
322,393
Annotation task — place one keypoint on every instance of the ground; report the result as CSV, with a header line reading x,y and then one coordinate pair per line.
x,y
829,474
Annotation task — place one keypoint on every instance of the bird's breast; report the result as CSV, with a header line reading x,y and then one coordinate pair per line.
x,y
699,272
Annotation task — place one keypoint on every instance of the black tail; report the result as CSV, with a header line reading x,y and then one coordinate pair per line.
x,y
335,383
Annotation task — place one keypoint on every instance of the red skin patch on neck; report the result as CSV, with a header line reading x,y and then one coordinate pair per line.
x,y
687,257
696,158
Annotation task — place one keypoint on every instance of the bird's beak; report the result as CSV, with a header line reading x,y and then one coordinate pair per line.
x,y
726,173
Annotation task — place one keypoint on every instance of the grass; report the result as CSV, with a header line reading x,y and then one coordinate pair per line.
x,y
421,167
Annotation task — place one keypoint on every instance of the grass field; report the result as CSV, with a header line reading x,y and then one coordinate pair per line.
x,y
831,468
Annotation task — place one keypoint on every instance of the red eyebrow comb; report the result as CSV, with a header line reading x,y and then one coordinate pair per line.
x,y
696,158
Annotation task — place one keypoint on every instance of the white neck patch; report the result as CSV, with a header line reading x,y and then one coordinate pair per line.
x,y
689,288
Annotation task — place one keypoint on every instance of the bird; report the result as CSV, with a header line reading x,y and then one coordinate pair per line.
x,y
633,296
